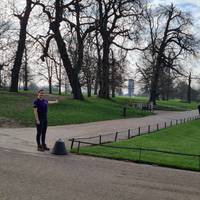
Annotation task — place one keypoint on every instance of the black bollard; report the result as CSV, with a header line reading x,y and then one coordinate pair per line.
x,y
59,148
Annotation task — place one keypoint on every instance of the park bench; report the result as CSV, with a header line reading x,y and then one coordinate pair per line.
x,y
144,106
53,101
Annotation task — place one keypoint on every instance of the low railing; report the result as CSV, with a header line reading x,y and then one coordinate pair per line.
x,y
130,133
104,139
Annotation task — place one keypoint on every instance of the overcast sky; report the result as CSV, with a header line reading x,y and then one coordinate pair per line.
x,y
192,6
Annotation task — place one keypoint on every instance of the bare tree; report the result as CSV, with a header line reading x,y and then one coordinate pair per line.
x,y
118,65
4,28
89,68
98,78
116,19
169,41
62,11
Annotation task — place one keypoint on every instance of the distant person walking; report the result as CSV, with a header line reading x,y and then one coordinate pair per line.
x,y
40,107
198,108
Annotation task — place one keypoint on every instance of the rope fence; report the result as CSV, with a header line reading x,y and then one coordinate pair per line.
x,y
130,133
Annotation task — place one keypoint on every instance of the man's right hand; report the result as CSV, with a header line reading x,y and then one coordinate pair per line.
x,y
38,122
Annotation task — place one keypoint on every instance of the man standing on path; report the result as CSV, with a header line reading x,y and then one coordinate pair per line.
x,y
40,107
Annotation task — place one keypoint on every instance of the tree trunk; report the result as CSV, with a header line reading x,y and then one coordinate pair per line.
x,y
25,77
154,86
89,88
98,77
0,79
60,79
104,92
189,89
26,71
20,49
96,85
71,72
113,71
50,85
99,66
113,92
59,87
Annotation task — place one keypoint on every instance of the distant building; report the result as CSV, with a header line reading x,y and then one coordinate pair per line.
x,y
130,87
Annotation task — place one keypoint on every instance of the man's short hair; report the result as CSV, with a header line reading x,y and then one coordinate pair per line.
x,y
40,91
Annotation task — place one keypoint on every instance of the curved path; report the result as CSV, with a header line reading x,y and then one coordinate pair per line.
x,y
23,139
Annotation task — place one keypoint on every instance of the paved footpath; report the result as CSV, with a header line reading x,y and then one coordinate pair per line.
x,y
29,175
23,139
47,177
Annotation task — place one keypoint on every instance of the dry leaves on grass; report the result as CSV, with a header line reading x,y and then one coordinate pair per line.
x,y
9,123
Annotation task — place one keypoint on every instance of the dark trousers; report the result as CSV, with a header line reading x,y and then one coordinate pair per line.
x,y
41,131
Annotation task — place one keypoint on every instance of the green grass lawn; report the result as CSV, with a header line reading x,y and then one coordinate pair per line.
x,y
18,107
183,138
176,104
67,111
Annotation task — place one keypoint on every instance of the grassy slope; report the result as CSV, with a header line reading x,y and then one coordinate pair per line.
x,y
177,104
67,111
182,138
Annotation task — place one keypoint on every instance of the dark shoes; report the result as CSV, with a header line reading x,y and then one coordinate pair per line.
x,y
40,148
43,148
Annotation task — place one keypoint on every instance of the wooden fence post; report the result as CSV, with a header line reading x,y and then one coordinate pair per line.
x,y
72,144
139,130
149,128
129,133
79,146
116,134
99,139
